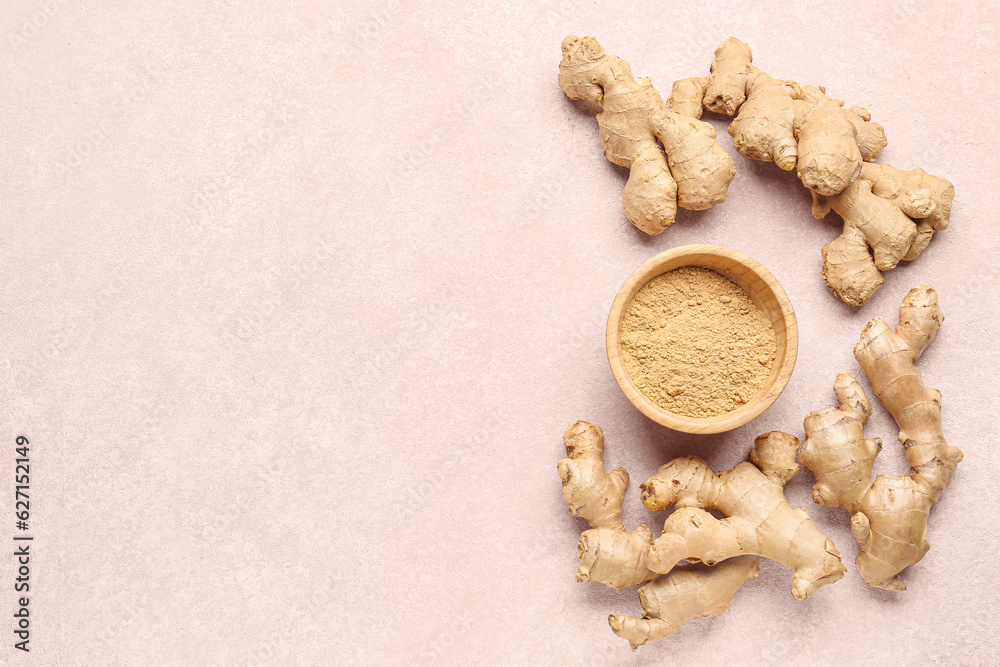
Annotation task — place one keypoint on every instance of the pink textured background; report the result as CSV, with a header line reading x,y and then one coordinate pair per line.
x,y
297,303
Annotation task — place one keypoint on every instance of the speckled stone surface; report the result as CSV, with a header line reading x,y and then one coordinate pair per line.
x,y
297,302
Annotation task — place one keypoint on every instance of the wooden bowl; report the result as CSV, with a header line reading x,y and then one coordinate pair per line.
x,y
763,290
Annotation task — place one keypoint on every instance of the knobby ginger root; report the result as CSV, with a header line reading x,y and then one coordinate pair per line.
x,y
764,129
889,515
893,212
779,121
614,557
676,598
608,553
798,127
695,172
759,521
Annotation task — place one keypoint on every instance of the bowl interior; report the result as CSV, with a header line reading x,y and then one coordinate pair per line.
x,y
763,290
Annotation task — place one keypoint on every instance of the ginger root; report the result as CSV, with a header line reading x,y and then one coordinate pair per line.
x,y
611,555
779,121
759,521
685,593
798,127
889,515
694,173
893,212
608,553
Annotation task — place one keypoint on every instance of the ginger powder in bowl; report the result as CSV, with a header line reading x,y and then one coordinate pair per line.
x,y
702,339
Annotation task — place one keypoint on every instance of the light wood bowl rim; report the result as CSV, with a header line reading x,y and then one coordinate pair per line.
x,y
691,255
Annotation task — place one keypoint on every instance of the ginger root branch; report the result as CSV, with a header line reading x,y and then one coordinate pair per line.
x,y
674,599
893,212
759,521
691,170
608,553
889,515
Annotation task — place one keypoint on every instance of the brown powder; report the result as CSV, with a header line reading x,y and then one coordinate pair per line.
x,y
695,344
